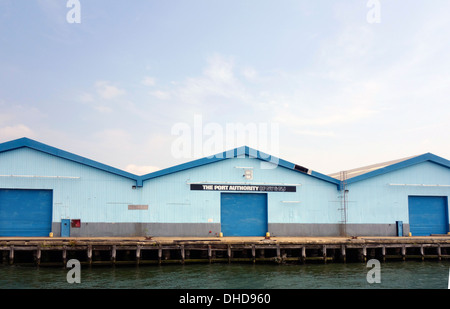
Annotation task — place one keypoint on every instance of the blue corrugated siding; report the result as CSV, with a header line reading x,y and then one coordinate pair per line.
x,y
428,215
94,195
377,200
171,200
25,212
82,192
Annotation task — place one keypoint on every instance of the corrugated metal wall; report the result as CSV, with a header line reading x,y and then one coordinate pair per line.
x,y
96,196
171,199
79,191
384,198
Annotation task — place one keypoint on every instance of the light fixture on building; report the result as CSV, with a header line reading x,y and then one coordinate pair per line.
x,y
248,174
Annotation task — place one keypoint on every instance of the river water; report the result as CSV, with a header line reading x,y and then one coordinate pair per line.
x,y
391,275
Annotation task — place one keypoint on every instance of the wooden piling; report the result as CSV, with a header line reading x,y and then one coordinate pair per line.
x,y
64,255
182,253
218,250
253,253
138,254
38,256
89,254
343,254
278,254
113,254
11,254
364,254
209,254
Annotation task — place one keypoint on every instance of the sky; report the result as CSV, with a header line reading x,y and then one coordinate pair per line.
x,y
147,84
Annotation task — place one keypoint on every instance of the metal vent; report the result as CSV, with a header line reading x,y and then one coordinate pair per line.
x,y
301,169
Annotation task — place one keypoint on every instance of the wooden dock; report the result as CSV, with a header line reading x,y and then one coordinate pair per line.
x,y
164,250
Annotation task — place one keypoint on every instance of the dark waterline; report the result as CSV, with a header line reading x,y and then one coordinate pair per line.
x,y
394,275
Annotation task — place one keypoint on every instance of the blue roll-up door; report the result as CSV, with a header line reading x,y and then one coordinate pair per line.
x,y
428,215
243,214
25,212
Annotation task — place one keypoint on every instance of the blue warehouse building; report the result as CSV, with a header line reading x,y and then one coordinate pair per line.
x,y
241,192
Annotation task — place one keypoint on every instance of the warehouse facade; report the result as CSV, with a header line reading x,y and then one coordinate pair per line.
x,y
241,192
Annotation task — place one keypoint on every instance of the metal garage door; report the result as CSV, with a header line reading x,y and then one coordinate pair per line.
x,y
428,215
243,214
25,212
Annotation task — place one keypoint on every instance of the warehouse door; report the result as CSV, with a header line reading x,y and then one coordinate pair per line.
x,y
25,212
428,215
243,214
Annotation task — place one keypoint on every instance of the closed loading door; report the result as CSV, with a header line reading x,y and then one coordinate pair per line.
x,y
243,214
428,215
25,212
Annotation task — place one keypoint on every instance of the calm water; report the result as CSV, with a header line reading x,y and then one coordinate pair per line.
x,y
394,275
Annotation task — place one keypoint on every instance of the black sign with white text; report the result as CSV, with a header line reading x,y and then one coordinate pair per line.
x,y
231,187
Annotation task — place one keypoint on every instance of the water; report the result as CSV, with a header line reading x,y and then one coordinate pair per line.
x,y
394,275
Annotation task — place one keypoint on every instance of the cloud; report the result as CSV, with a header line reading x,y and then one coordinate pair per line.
x,y
162,95
315,133
103,108
108,91
141,169
148,81
105,92
218,80
220,69
112,136
16,131
86,97
249,73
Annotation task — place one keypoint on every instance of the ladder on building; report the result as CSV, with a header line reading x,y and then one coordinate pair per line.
x,y
344,203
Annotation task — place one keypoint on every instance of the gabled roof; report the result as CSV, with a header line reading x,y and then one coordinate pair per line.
x,y
387,167
32,144
235,153
353,175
